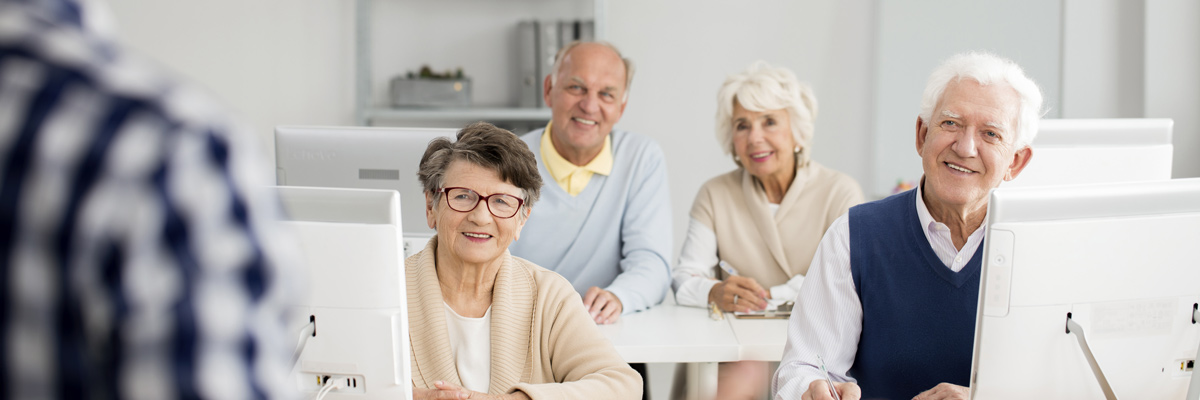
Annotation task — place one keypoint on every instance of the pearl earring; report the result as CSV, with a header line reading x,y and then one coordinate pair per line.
x,y
797,149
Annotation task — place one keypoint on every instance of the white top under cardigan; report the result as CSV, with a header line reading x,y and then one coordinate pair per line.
x,y
471,344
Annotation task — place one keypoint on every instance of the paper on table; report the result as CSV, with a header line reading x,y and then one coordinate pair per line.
x,y
776,308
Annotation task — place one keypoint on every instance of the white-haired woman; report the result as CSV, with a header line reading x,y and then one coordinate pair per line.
x,y
765,218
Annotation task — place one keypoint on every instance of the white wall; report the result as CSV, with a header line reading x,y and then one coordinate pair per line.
x,y
1173,76
1133,59
916,35
274,61
1102,59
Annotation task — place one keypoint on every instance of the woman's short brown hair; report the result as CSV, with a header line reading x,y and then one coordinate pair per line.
x,y
485,145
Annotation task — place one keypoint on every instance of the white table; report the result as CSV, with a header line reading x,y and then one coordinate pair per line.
x,y
676,334
759,339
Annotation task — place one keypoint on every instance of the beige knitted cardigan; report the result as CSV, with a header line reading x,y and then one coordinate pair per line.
x,y
773,248
543,341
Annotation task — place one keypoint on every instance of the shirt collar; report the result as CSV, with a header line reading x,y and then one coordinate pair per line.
x,y
559,167
931,226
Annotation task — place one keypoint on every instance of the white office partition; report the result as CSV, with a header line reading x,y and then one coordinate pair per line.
x,y
1081,151
352,250
1119,261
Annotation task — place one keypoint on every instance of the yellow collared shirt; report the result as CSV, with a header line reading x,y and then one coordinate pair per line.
x,y
573,178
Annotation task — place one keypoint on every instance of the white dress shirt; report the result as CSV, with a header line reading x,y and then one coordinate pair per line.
x,y
828,317
694,276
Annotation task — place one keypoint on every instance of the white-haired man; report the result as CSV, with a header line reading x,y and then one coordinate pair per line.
x,y
605,222
895,317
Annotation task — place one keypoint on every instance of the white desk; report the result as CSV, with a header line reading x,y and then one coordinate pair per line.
x,y
676,334
673,334
759,339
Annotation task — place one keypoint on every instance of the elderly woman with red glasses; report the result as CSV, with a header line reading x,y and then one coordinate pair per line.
x,y
485,324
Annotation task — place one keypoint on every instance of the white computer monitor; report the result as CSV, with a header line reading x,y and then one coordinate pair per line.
x,y
1121,260
1079,151
351,245
359,157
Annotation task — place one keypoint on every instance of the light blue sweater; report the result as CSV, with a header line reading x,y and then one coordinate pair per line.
x,y
616,234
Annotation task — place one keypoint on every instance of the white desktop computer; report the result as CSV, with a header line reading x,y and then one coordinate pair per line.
x,y
1090,292
1077,151
355,306
363,158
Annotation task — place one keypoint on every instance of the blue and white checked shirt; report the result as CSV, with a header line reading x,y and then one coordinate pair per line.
x,y
137,252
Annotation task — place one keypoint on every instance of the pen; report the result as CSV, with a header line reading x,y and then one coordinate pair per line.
x,y
832,390
727,268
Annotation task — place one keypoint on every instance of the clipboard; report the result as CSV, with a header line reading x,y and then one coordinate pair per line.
x,y
773,311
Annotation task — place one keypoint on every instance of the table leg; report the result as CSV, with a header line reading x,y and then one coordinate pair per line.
x,y
701,381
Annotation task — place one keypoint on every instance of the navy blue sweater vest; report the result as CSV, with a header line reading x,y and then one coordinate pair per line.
x,y
918,316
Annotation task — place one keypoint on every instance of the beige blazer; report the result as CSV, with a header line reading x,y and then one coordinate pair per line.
x,y
772,249
543,341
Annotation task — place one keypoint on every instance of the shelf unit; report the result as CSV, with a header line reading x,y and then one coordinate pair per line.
x,y
444,114
367,113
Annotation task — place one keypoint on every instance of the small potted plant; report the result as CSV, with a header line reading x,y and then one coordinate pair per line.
x,y
431,89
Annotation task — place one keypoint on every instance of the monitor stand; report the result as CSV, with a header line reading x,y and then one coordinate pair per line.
x,y
1073,327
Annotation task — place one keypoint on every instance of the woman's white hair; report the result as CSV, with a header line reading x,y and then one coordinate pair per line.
x,y
987,68
764,87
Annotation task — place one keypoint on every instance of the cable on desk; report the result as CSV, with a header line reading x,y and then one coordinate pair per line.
x,y
330,385
308,331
